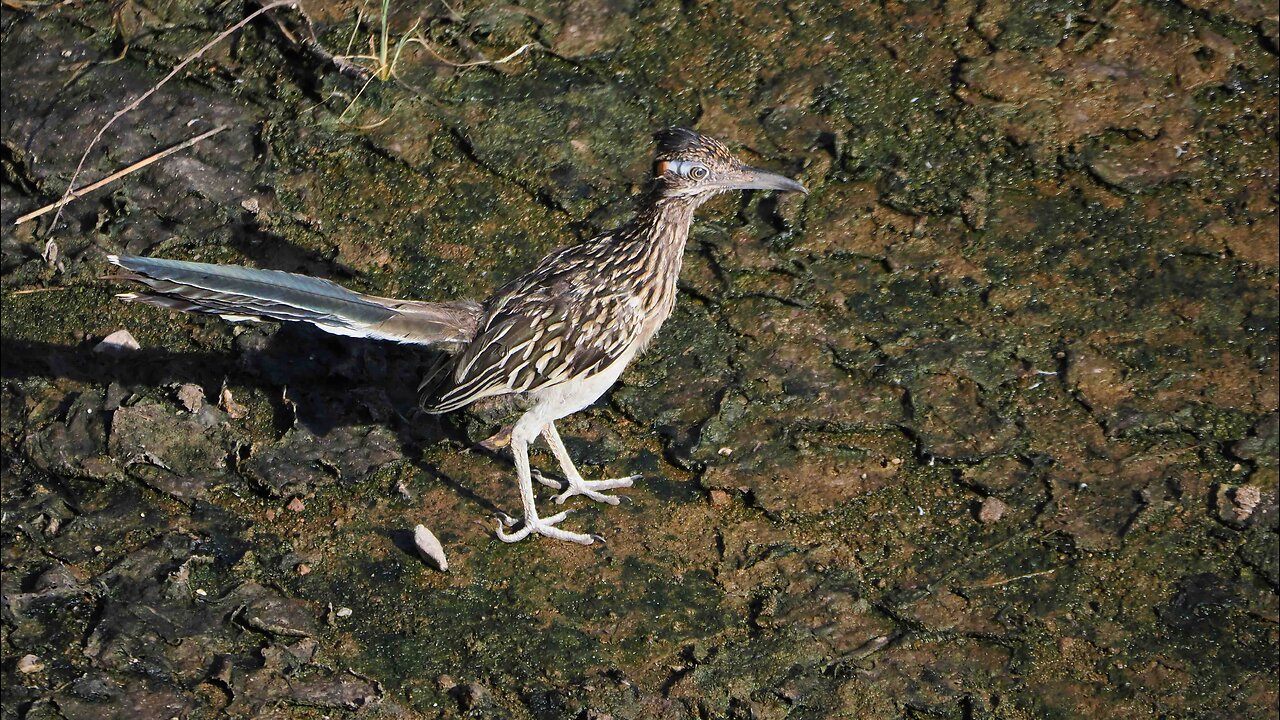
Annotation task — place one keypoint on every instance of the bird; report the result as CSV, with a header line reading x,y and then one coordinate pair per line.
x,y
560,335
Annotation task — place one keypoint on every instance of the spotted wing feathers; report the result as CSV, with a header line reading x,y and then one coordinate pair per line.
x,y
538,340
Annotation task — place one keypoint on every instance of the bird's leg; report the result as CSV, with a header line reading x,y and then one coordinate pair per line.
x,y
533,523
578,486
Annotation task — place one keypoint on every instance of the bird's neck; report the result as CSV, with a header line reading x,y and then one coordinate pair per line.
x,y
665,224
654,245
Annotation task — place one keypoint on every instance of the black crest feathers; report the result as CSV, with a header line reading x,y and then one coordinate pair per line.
x,y
672,141
678,143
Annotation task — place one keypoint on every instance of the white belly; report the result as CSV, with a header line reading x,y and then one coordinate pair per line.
x,y
567,398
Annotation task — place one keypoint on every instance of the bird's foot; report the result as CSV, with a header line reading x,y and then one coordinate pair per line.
x,y
541,526
593,488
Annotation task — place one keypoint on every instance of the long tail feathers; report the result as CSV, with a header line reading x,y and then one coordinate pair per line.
x,y
239,293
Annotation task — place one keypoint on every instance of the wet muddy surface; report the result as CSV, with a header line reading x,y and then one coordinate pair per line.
x,y
983,427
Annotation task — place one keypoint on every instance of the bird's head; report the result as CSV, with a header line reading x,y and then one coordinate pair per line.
x,y
696,167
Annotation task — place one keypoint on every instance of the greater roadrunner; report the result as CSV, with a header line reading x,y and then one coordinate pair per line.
x,y
560,334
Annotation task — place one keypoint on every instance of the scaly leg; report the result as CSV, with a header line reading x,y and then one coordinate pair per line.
x,y
578,486
533,523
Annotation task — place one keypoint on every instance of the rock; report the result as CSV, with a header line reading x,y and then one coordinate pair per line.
x,y
228,403
429,548
118,341
71,447
29,664
1238,505
991,510
1263,444
191,396
280,616
301,461
155,434
1244,500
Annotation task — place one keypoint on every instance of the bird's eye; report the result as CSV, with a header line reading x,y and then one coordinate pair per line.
x,y
684,168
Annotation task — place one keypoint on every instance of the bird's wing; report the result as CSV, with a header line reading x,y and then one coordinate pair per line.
x,y
541,340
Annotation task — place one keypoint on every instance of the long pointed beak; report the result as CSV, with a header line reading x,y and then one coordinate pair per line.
x,y
754,178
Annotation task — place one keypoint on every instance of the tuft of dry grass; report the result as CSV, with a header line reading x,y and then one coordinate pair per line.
x,y
383,58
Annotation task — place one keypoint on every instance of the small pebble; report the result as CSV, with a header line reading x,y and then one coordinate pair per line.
x,y
992,510
719,498
303,568
201,592
233,409
297,505
429,548
191,396
117,341
30,664
1245,499
343,612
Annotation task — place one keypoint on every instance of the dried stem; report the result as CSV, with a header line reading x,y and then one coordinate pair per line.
x,y
507,58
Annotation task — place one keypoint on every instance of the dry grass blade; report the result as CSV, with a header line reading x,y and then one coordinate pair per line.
x,y
474,63
32,291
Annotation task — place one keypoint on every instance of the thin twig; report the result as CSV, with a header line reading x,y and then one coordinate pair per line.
x,y
72,195
138,101
37,290
453,14
371,126
512,56
1006,581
